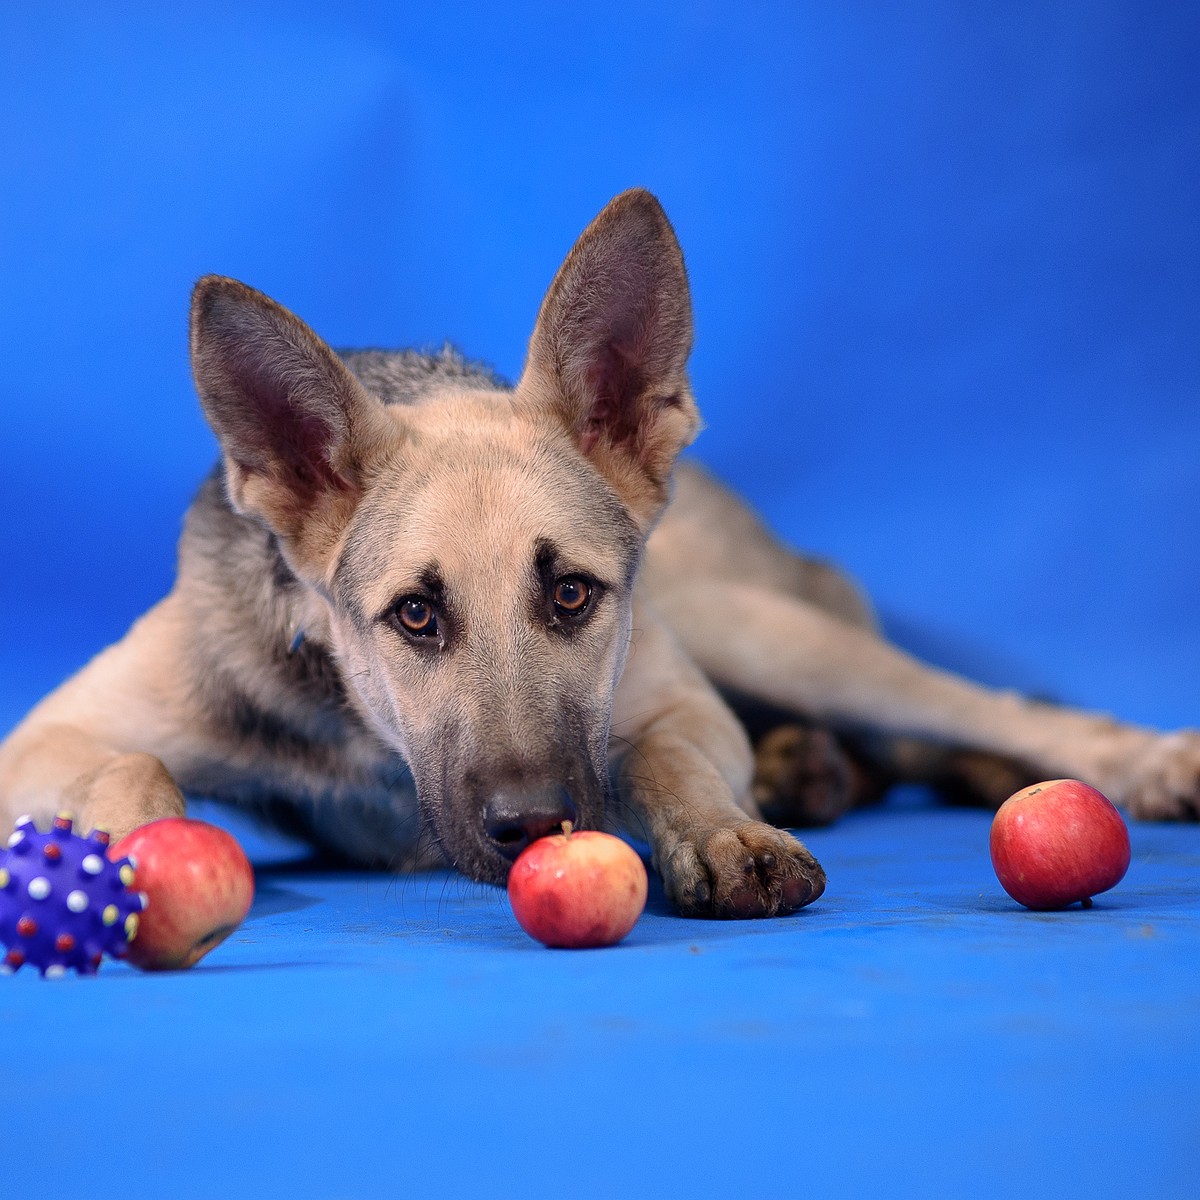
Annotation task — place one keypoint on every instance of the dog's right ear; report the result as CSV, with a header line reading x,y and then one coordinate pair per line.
x,y
296,428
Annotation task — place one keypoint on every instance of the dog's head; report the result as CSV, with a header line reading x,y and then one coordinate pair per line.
x,y
473,554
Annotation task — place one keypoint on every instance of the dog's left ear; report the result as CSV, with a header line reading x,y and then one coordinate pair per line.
x,y
609,352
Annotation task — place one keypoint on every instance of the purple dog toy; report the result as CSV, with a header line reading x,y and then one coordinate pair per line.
x,y
62,902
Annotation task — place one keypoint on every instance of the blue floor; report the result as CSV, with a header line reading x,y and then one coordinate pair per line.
x,y
914,1033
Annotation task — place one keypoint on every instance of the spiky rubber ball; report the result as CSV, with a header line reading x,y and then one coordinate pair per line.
x,y
63,904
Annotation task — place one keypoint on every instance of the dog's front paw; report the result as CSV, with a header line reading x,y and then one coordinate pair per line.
x,y
123,793
744,870
1164,783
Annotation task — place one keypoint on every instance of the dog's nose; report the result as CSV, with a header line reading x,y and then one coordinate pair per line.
x,y
515,816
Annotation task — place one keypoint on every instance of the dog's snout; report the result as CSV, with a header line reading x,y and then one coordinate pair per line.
x,y
515,816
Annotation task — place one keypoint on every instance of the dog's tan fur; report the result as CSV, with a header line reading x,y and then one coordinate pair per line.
x,y
276,675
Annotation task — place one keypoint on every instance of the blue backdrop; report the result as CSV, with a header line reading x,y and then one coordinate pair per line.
x,y
946,270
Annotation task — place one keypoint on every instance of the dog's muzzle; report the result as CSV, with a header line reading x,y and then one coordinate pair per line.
x,y
516,815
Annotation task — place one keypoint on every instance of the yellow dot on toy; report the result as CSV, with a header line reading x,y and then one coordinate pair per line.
x,y
126,873
131,926
110,914
4,877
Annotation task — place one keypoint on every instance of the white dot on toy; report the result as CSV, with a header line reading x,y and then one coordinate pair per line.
x,y
77,901
93,864
39,888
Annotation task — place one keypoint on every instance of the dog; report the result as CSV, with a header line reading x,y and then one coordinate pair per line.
x,y
421,614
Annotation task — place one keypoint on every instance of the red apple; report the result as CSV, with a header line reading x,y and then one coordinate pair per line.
x,y
199,883
577,889
1057,842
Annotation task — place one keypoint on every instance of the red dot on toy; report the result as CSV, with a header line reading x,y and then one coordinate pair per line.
x,y
52,852
14,958
27,927
64,943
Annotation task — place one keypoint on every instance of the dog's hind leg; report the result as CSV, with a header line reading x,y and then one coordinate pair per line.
x,y
806,775
97,745
960,775
793,655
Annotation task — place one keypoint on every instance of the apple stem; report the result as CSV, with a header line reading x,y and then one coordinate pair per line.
x,y
566,828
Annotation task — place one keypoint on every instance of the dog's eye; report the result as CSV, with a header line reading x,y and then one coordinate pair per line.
x,y
572,596
417,616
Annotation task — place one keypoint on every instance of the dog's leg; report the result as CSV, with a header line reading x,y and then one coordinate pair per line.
x,y
792,655
96,746
805,775
684,775
962,776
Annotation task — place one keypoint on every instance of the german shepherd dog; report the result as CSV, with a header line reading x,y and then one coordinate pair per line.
x,y
419,609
